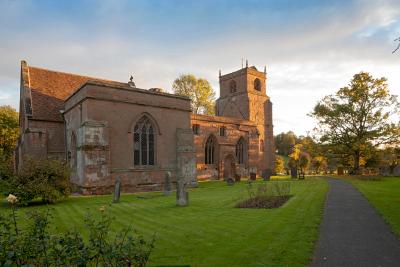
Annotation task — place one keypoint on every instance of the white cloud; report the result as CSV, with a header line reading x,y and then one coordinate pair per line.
x,y
307,56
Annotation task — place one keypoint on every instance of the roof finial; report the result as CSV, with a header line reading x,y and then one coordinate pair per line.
x,y
220,73
242,63
131,83
247,63
265,69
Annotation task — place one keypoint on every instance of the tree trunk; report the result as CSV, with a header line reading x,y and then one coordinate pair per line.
x,y
356,158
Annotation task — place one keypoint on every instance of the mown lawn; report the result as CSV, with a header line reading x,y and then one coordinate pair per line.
x,y
211,232
385,197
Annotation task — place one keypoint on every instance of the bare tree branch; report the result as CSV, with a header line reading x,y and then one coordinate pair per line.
x,y
398,46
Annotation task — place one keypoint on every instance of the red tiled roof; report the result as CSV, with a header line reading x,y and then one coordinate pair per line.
x,y
51,88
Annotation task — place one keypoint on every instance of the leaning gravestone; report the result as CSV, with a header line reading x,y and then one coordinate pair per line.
x,y
167,184
293,172
117,190
266,174
230,181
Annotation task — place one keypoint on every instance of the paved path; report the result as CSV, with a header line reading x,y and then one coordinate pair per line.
x,y
352,233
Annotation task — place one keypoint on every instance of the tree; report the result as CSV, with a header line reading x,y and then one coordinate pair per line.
x,y
319,164
279,164
358,116
398,45
198,90
9,128
299,159
284,142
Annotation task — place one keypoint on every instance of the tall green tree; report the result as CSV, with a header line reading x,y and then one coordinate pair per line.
x,y
198,90
9,128
284,142
358,116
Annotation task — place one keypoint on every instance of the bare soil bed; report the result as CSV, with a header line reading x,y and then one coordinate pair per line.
x,y
263,202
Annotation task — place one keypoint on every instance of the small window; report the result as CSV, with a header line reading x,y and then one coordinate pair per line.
x,y
222,131
232,86
257,84
196,129
261,145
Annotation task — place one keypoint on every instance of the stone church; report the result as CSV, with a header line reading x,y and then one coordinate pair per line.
x,y
106,129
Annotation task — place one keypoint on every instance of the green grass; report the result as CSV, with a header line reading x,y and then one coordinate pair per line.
x,y
210,231
385,197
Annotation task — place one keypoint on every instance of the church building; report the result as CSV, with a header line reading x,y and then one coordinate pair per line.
x,y
106,129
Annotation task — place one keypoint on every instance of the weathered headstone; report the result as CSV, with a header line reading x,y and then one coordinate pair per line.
x,y
182,195
293,172
230,181
167,184
253,176
266,174
396,170
384,170
117,190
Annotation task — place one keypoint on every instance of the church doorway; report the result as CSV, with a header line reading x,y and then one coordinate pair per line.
x,y
229,167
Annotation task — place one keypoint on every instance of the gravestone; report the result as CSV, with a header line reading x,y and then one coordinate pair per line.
x,y
384,170
396,170
266,174
230,181
293,172
237,178
167,184
253,176
117,190
182,195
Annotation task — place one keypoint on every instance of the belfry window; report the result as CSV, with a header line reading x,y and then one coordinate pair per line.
x,y
257,84
232,86
143,138
209,151
240,151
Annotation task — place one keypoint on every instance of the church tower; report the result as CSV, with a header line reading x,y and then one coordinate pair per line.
x,y
243,96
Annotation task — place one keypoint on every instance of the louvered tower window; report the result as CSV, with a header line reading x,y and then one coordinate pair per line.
x,y
143,142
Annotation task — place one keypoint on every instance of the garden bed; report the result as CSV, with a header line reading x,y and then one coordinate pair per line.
x,y
263,202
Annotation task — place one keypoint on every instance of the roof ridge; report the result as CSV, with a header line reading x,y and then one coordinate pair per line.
x,y
69,73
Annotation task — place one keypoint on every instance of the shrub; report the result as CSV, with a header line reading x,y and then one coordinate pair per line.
x,y
36,246
6,175
45,179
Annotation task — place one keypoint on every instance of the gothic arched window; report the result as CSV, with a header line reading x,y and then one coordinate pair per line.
x,y
143,139
232,86
240,150
209,151
257,84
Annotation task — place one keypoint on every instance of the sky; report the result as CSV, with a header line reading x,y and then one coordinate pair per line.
x,y
310,48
